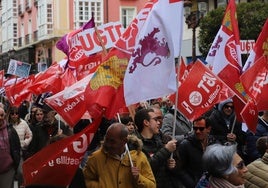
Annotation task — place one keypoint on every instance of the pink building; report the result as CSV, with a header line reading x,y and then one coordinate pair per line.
x,y
31,28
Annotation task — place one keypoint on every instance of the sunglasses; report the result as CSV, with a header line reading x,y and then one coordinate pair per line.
x,y
240,165
229,106
199,128
156,119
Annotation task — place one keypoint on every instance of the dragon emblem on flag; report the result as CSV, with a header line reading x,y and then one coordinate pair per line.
x,y
149,44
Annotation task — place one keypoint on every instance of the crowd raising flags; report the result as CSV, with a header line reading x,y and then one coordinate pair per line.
x,y
140,66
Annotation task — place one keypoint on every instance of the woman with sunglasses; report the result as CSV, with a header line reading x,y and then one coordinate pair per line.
x,y
24,133
224,166
226,128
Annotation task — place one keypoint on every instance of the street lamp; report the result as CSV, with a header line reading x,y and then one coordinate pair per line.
x,y
194,11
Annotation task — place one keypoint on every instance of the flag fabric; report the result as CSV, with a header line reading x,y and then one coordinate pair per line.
x,y
105,90
70,102
74,53
250,115
18,92
56,164
151,69
259,49
200,91
224,56
88,67
50,79
255,82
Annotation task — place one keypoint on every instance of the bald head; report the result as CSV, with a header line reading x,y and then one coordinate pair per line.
x,y
115,139
119,129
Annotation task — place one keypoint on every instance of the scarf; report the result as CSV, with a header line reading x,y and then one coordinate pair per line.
x,y
220,183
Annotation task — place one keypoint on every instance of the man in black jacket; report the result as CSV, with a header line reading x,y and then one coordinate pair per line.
x,y
157,152
10,152
191,150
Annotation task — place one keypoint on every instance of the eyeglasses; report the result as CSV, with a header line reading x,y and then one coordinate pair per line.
x,y
199,128
240,165
229,106
156,119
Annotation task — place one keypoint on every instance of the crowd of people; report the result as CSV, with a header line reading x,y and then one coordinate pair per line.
x,y
157,146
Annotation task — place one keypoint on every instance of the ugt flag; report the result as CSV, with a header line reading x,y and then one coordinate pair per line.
x,y
200,91
255,82
56,164
224,56
151,69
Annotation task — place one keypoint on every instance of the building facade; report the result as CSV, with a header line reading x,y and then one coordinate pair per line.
x,y
30,29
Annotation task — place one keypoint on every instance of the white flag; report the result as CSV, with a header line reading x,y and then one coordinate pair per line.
x,y
151,69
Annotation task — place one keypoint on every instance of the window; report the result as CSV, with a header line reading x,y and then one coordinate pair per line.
x,y
127,15
84,10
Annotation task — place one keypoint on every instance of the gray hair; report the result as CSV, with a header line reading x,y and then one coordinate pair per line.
x,y
218,159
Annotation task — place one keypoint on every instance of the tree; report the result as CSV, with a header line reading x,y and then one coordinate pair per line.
x,y
251,18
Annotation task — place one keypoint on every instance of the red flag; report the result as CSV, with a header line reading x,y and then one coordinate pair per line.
x,y
250,115
200,91
255,82
49,80
105,88
89,66
56,164
18,92
224,56
259,48
70,102
183,70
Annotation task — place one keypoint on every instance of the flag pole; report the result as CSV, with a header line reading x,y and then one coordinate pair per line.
x,y
233,125
100,40
176,100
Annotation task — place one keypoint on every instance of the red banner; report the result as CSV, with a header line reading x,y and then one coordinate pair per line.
x,y
56,164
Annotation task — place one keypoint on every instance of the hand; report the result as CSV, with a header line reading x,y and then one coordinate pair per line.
x,y
59,132
171,145
171,163
231,137
135,172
